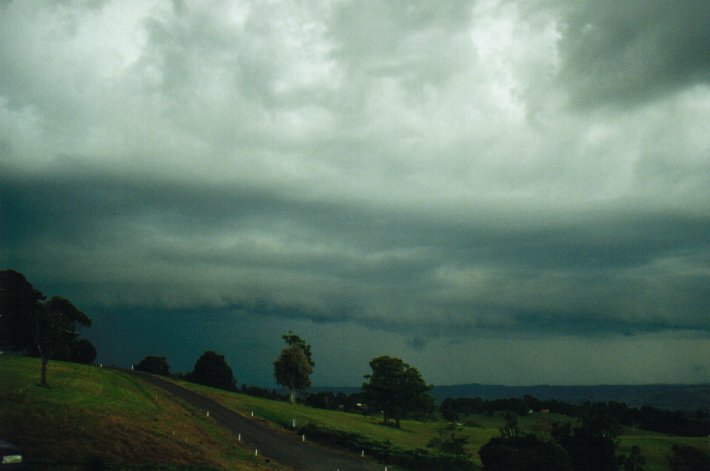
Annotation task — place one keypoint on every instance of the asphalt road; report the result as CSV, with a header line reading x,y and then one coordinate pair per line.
x,y
285,448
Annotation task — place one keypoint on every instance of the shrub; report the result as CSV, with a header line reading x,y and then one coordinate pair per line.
x,y
417,459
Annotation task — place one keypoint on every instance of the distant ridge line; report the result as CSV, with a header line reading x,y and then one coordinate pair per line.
x,y
662,396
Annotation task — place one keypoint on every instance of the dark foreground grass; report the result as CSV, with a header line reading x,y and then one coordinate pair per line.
x,y
95,417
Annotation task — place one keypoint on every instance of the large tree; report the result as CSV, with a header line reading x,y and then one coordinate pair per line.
x,y
294,366
57,327
48,329
212,369
396,388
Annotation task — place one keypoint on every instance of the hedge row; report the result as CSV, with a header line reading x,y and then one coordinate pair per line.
x,y
416,459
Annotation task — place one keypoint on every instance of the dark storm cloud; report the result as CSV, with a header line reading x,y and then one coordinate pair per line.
x,y
587,272
634,51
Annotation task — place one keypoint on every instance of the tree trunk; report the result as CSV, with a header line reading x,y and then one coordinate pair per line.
x,y
44,354
292,396
43,375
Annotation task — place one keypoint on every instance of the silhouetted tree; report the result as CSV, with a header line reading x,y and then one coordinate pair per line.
x,y
633,462
592,445
57,326
688,458
449,441
523,453
511,428
211,369
48,329
155,365
294,366
19,304
82,351
396,388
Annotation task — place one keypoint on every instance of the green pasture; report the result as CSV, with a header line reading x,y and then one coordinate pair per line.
x,y
102,415
656,448
478,429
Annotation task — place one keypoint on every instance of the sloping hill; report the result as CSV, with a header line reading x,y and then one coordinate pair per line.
x,y
258,434
101,416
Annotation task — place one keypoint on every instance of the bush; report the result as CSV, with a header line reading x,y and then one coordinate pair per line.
x,y
212,370
688,458
527,453
155,365
417,459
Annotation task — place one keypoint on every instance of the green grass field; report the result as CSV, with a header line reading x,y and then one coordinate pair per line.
x,y
656,448
413,434
91,414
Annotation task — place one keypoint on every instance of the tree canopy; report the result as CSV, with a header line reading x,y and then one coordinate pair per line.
x,y
397,389
294,366
57,327
19,304
212,369
155,365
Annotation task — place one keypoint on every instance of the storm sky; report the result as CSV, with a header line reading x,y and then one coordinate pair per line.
x,y
513,192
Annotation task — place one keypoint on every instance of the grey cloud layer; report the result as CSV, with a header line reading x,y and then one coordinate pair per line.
x,y
439,169
611,268
631,52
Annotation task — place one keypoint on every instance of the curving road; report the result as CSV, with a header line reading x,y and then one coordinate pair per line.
x,y
284,448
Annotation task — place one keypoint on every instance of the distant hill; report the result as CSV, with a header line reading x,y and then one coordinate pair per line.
x,y
663,396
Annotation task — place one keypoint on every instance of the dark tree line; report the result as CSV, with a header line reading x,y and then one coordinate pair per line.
x,y
646,418
354,402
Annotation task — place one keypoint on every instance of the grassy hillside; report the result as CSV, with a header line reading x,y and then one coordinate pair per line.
x,y
413,434
91,414
479,429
